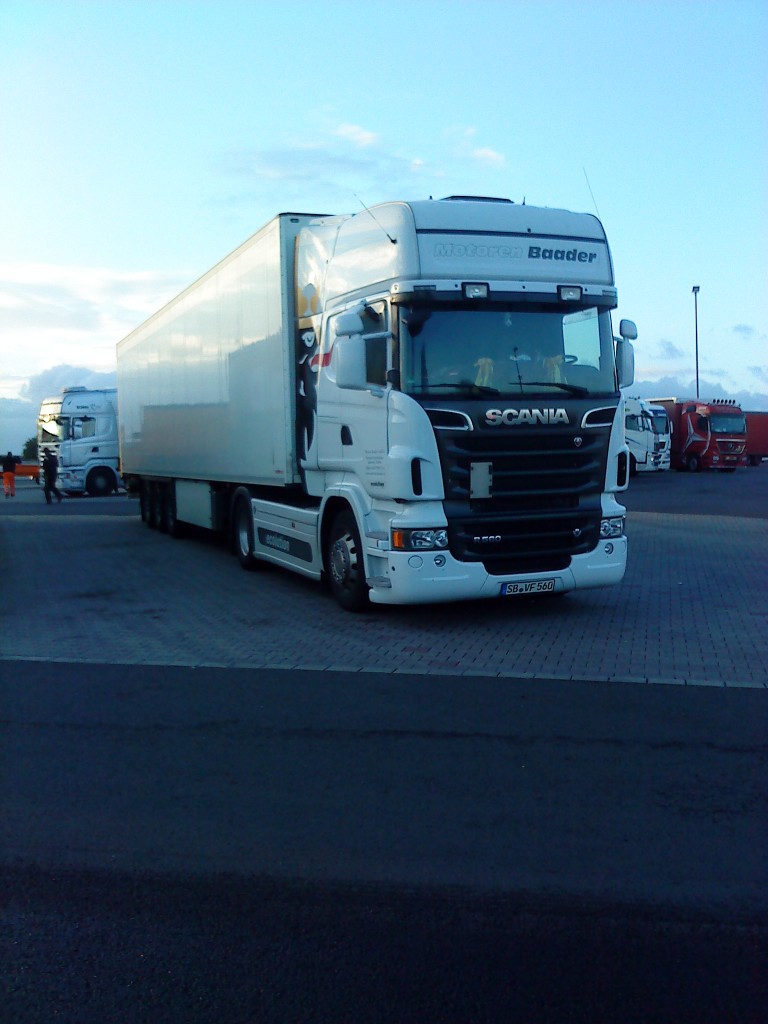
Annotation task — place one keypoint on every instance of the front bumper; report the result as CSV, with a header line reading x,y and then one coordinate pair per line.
x,y
420,578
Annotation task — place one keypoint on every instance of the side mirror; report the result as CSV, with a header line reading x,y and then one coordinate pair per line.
x,y
349,360
347,324
628,330
625,362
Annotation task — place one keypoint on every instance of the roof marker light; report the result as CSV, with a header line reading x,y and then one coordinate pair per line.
x,y
474,290
569,293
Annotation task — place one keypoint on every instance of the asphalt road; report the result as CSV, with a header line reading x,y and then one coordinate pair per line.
x,y
250,844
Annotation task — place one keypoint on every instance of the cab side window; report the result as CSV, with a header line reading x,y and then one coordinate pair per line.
x,y
85,427
376,321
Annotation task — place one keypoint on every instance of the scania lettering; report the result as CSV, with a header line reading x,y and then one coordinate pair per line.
x,y
397,401
80,427
511,417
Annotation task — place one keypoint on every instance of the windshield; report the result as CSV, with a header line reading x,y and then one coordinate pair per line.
x,y
660,422
52,428
728,423
512,350
639,422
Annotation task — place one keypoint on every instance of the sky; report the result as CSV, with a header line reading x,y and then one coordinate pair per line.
x,y
143,140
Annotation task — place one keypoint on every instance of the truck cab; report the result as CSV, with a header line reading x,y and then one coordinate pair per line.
x,y
466,396
706,435
80,428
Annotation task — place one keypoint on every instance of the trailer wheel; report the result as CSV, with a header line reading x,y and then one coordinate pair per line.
x,y
153,506
100,482
344,564
143,503
171,524
693,463
242,525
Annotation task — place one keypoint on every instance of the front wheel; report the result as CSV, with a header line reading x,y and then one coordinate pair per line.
x,y
694,463
344,564
100,482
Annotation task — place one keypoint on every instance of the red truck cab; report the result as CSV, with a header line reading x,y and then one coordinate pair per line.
x,y
706,435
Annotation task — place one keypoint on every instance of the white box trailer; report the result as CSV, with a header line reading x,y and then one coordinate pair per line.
x,y
419,402
207,385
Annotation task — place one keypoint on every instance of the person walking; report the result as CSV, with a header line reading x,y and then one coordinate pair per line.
x,y
50,472
9,475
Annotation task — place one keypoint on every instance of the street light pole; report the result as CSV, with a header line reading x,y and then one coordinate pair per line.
x,y
695,291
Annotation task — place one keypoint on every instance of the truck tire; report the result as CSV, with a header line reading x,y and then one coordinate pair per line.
x,y
693,464
153,506
143,502
242,533
344,564
170,524
100,482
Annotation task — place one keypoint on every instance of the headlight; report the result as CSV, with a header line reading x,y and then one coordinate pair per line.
x,y
420,540
611,527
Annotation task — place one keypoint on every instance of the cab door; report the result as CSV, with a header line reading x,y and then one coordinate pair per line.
x,y
352,410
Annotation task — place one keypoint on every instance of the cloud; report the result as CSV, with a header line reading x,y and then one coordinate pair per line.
x,y
488,156
669,350
341,161
760,372
71,315
327,175
681,387
51,381
744,330
18,416
359,136
18,422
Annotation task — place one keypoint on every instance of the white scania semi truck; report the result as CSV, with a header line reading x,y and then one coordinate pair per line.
x,y
419,402
80,427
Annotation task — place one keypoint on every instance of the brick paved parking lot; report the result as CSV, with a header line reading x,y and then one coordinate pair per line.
x,y
87,581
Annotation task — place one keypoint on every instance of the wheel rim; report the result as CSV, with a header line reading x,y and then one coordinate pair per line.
x,y
344,564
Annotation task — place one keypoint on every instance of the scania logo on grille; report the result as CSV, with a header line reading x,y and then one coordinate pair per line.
x,y
521,417
578,441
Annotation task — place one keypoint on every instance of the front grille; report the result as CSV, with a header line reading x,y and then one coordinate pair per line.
x,y
544,506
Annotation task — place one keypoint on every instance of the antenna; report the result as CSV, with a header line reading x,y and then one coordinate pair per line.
x,y
591,193
357,197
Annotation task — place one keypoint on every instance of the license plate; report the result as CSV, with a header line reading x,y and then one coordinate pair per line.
x,y
527,587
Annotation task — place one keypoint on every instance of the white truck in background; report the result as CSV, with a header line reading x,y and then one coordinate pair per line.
x,y
647,434
418,402
80,427
662,429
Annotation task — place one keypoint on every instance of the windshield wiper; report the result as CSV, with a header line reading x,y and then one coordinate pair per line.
x,y
572,389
